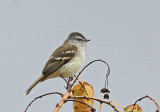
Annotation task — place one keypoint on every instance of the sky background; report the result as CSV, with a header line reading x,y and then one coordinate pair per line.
x,y
124,33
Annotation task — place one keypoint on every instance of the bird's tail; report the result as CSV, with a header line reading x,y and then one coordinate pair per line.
x,y
34,84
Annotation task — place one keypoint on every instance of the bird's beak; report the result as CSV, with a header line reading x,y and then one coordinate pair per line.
x,y
87,40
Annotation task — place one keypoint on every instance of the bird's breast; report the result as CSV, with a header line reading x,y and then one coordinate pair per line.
x,y
74,65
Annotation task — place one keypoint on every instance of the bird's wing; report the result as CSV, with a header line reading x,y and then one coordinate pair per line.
x,y
61,56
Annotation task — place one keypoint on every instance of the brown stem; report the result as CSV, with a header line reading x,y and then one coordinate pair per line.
x,y
108,72
81,102
147,96
41,97
65,97
96,99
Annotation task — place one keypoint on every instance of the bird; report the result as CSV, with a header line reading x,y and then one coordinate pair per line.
x,y
65,61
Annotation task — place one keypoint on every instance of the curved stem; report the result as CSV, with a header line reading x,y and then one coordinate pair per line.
x,y
41,97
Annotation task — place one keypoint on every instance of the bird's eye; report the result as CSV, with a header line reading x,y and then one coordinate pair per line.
x,y
79,39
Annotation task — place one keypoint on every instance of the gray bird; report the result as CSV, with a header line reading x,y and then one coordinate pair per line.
x,y
66,60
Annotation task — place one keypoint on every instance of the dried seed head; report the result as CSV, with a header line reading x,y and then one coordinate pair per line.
x,y
105,90
106,96
93,110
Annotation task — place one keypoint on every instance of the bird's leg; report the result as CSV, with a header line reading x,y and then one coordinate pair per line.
x,y
69,85
64,79
68,82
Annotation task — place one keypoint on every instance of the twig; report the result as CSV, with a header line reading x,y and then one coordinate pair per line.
x,y
158,108
96,99
81,102
65,97
83,87
117,104
100,107
41,97
108,72
147,96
